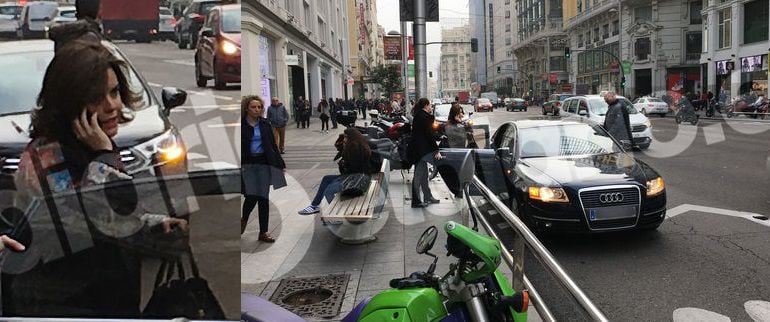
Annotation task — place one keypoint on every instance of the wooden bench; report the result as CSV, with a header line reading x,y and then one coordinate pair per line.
x,y
350,217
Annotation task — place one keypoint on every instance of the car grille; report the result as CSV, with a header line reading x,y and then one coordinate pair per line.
x,y
638,128
9,165
614,223
131,161
590,199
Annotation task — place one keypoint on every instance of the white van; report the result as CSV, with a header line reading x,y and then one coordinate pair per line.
x,y
593,107
34,18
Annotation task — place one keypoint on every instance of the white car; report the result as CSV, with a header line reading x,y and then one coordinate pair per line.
x,y
34,19
593,107
63,15
651,105
166,24
436,101
441,112
9,19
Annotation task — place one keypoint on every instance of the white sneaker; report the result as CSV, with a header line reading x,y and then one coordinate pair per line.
x,y
309,210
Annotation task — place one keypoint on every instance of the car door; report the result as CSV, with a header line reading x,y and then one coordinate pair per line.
x,y
488,164
208,45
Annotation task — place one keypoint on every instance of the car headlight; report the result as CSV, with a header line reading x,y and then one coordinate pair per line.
x,y
164,148
470,122
648,124
655,186
548,194
435,125
229,48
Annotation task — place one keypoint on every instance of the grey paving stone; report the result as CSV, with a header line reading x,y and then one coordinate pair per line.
x,y
383,257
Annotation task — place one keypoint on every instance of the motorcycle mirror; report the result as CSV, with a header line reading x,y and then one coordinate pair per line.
x,y
426,241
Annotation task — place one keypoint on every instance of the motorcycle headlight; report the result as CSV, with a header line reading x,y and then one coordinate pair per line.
x,y
548,194
655,186
164,148
229,48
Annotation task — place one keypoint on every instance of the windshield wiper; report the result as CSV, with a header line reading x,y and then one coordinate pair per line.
x,y
14,113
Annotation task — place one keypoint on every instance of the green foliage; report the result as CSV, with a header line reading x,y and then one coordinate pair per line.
x,y
387,77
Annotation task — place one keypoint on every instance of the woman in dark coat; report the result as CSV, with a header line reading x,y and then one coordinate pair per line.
x,y
356,156
422,150
261,163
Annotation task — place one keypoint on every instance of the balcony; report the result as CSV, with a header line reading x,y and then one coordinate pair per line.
x,y
553,27
596,9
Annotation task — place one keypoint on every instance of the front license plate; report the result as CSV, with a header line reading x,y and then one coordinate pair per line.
x,y
637,134
610,213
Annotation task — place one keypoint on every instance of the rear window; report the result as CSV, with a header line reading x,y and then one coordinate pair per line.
x,y
41,11
10,10
231,21
655,100
165,12
484,101
67,13
206,7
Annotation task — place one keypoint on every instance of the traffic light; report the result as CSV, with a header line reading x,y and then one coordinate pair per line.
x,y
623,82
474,45
566,52
430,74
498,69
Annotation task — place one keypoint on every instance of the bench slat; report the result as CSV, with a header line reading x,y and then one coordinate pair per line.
x,y
359,208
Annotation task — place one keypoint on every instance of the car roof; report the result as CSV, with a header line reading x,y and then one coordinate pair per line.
x,y
67,8
25,46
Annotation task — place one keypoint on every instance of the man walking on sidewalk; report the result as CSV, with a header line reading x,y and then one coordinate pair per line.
x,y
278,117
299,106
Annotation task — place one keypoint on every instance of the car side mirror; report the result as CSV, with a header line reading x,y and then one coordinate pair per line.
x,y
207,32
172,97
583,112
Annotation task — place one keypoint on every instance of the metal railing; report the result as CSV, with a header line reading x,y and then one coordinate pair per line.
x,y
538,250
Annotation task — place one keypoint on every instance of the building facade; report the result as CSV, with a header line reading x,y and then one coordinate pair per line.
x,y
295,48
735,46
477,28
539,51
364,35
455,68
501,22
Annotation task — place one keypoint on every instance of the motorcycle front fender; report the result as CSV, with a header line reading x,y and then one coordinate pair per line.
x,y
507,290
415,305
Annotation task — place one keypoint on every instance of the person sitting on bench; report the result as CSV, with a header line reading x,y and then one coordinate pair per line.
x,y
356,156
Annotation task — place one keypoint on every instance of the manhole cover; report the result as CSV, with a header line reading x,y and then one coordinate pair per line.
x,y
319,296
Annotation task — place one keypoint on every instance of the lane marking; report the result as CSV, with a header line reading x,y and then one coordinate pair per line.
x,y
215,165
678,210
195,156
185,62
224,125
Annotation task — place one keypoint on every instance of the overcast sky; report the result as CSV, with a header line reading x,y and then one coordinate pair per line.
x,y
452,13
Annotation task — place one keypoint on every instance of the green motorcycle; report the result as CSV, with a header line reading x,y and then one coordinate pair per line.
x,y
474,289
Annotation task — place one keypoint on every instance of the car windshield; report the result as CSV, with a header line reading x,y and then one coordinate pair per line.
x,y
442,111
231,22
564,97
23,78
654,100
37,12
483,101
165,12
599,107
10,10
564,140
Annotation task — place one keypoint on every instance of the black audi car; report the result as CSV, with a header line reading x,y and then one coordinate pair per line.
x,y
571,176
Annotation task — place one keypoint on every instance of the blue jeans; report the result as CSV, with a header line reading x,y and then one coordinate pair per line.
x,y
330,185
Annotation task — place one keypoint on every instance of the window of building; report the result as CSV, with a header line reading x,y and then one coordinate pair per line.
x,y
507,13
596,34
642,48
693,45
643,14
695,16
606,31
725,32
755,22
507,27
308,18
508,41
615,28
580,40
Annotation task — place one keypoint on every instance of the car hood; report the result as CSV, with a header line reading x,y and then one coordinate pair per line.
x,y
634,119
146,124
584,171
234,37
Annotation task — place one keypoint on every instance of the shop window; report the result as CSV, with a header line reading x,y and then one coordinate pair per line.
x,y
596,34
756,21
642,48
695,16
725,32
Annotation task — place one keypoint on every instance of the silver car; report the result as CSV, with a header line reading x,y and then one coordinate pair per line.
x,y
166,24
9,19
34,17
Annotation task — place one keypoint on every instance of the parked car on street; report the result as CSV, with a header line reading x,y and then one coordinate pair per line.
x,y
189,25
483,104
166,24
554,103
9,19
436,101
651,105
570,176
593,107
34,17
492,97
218,54
149,144
517,104
63,15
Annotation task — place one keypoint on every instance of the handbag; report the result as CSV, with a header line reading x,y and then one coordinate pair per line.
x,y
355,184
182,297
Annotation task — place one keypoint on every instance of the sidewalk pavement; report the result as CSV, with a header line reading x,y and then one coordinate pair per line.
x,y
306,248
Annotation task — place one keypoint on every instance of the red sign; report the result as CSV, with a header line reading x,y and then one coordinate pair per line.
x,y
615,67
554,78
411,49
392,47
362,22
350,81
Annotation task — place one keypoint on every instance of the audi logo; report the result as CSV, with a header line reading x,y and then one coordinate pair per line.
x,y
611,197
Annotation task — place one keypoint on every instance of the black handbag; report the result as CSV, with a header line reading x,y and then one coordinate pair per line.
x,y
182,297
355,184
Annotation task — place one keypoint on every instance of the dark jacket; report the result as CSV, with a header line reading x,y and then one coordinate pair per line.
x,y
277,115
358,162
617,122
268,144
422,135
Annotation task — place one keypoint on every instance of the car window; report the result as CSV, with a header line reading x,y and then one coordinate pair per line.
x,y
10,10
165,12
23,78
205,7
211,21
499,135
564,140
638,100
599,107
231,21
654,100
67,13
567,107
582,106
509,138
38,12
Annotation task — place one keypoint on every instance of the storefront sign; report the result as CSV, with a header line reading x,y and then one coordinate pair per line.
x,y
615,67
724,67
392,47
566,88
362,21
292,60
752,64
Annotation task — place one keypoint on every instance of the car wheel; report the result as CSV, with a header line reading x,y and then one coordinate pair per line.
x,y
218,84
525,109
545,112
193,41
199,79
180,41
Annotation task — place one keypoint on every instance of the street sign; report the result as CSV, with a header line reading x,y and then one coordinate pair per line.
x,y
350,81
292,60
615,67
626,66
407,10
